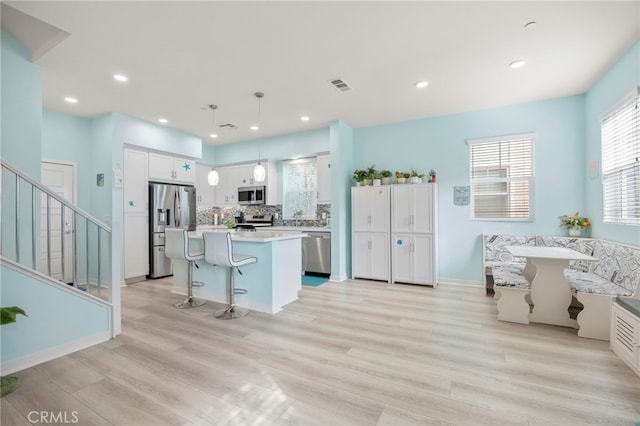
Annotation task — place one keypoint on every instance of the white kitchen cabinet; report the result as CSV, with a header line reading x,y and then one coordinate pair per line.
x,y
227,189
413,234
412,258
136,245
245,175
323,170
370,208
370,223
166,168
205,193
371,255
135,186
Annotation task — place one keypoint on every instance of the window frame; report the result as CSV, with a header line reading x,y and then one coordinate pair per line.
x,y
531,136
310,215
633,219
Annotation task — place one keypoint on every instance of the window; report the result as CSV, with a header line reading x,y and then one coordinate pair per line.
x,y
621,163
501,177
300,189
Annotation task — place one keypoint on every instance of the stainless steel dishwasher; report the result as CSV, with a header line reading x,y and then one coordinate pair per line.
x,y
316,253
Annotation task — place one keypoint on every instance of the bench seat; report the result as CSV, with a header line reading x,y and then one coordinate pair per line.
x,y
585,282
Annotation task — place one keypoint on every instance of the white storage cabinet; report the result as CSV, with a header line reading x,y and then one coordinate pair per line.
x,y
370,223
413,236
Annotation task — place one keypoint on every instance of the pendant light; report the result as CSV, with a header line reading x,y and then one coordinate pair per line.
x,y
212,177
259,172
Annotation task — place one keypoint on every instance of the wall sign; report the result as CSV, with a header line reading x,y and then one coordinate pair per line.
x,y
461,195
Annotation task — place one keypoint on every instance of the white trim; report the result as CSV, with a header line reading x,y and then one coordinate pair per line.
x,y
529,135
338,278
461,283
48,354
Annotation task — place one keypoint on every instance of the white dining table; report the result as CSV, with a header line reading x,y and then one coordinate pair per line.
x,y
550,291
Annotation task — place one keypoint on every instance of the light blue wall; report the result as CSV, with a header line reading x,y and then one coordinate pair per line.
x,y
68,138
132,131
55,317
102,130
273,148
341,144
619,81
440,143
20,143
21,107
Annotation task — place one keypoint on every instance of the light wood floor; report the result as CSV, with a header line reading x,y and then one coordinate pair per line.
x,y
354,353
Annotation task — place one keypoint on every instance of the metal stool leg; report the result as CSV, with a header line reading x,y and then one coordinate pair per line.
x,y
190,301
232,311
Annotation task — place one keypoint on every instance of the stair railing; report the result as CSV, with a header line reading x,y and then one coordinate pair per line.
x,y
91,249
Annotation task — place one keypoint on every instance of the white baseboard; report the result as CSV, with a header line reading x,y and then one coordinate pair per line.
x,y
338,278
27,361
464,283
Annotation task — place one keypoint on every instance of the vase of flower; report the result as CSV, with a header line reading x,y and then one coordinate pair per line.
x,y
575,225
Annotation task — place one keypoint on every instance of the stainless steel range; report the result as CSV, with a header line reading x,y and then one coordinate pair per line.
x,y
253,221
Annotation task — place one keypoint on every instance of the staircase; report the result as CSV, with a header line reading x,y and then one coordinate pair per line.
x,y
60,265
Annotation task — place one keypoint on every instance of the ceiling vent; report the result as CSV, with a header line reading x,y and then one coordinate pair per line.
x,y
229,126
340,84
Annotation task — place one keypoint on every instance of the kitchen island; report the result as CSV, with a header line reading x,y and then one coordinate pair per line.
x,y
272,282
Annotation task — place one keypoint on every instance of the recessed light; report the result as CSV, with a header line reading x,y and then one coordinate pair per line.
x,y
254,128
422,84
517,64
120,77
530,25
304,118
71,100
213,135
163,120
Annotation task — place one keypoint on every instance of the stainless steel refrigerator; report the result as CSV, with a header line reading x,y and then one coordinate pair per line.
x,y
170,206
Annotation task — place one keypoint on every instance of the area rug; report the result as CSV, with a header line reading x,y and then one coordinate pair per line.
x,y
313,281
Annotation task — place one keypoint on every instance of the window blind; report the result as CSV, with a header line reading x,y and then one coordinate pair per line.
x,y
620,132
300,189
501,177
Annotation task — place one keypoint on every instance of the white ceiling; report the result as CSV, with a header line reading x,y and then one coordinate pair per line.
x,y
182,56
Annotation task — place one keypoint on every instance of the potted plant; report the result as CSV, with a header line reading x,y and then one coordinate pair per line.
x,y
377,179
432,176
371,173
385,176
8,316
575,224
415,177
359,176
402,177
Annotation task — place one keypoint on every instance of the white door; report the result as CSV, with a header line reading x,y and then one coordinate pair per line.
x,y
379,198
401,206
422,258
184,170
59,262
361,255
402,253
379,256
360,208
136,245
160,167
136,188
422,208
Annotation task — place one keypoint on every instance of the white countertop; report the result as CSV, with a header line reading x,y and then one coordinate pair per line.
x,y
562,253
248,236
274,228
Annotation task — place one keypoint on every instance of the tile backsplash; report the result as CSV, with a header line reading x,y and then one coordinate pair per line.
x,y
205,214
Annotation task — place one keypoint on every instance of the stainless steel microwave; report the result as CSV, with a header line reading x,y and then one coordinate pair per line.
x,y
252,195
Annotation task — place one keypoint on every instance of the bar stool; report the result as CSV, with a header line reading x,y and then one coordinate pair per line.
x,y
177,247
218,251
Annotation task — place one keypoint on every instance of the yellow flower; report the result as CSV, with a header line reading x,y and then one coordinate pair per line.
x,y
576,217
585,223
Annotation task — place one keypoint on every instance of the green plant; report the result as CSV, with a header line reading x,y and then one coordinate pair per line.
x,y
360,175
229,224
402,175
414,173
574,221
8,316
385,173
371,172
